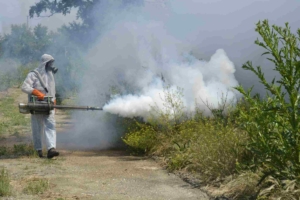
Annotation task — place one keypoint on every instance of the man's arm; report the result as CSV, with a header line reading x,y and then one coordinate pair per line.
x,y
27,87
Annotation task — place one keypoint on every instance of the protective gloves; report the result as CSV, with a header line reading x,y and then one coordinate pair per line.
x,y
39,94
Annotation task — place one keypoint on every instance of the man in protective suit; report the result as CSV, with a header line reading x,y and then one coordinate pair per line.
x,y
43,123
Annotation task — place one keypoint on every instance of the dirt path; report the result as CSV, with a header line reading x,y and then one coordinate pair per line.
x,y
106,174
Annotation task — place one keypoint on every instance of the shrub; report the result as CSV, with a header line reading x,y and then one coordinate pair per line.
x,y
141,139
273,123
200,144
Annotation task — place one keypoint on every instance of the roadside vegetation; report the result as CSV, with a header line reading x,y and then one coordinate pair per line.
x,y
18,150
11,121
250,150
253,149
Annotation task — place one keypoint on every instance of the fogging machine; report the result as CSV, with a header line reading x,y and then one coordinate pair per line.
x,y
35,106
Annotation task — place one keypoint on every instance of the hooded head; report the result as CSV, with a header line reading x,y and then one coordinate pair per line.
x,y
47,63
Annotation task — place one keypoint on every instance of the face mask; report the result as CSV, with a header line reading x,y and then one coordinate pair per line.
x,y
49,67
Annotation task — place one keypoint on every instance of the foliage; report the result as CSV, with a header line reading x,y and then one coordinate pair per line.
x,y
5,187
88,26
14,76
36,186
25,44
199,144
273,123
64,6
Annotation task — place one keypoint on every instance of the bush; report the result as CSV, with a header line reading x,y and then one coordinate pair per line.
x,y
273,123
142,138
199,144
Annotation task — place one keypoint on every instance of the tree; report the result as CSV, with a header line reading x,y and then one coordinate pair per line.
x,y
64,7
25,44
77,30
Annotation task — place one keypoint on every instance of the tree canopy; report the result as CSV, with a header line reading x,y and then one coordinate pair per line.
x,y
25,44
76,31
84,12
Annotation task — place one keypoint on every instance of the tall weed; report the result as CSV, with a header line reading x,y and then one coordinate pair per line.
x,y
273,123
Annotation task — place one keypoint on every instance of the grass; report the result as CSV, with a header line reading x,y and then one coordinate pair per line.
x,y
5,187
36,186
11,121
18,150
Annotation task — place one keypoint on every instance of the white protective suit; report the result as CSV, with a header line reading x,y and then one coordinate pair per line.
x,y
41,123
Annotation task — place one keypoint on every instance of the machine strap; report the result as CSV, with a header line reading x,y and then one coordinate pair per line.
x,y
41,80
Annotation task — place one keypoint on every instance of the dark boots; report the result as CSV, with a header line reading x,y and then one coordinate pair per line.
x,y
40,153
52,152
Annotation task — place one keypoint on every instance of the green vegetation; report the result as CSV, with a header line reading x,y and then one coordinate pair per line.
x,y
18,150
22,48
11,121
24,150
258,134
15,76
5,187
36,186
24,44
273,122
200,144
256,143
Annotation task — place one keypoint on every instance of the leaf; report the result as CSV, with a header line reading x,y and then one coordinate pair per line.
x,y
265,53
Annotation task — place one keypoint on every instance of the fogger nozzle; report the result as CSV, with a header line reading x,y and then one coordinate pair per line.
x,y
44,108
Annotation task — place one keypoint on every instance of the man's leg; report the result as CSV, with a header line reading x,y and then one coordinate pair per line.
x,y
50,135
37,126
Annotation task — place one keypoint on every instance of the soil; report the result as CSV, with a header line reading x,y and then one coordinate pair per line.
x,y
93,174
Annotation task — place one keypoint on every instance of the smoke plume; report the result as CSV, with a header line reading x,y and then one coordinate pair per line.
x,y
195,45
204,81
145,45
191,44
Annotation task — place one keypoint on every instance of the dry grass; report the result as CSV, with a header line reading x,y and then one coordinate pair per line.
x,y
5,187
36,186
